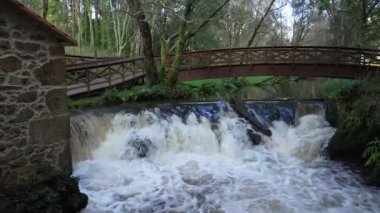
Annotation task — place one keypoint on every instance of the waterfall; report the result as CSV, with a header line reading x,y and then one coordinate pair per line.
x,y
88,131
201,158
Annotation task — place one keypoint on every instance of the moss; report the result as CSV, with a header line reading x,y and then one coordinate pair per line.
x,y
57,193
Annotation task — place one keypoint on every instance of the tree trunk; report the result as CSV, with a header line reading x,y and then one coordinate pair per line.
x,y
172,77
164,52
146,37
45,8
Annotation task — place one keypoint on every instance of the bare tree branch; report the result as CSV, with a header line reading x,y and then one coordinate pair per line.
x,y
259,24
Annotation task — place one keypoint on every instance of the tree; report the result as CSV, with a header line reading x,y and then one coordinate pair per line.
x,y
179,38
45,8
146,37
253,36
182,37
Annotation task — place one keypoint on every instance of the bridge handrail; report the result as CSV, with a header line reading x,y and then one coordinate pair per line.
x,y
99,63
107,68
90,57
271,48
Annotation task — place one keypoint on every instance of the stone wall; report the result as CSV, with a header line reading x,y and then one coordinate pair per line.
x,y
34,119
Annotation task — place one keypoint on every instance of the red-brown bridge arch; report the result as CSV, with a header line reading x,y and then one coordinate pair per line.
x,y
87,74
280,61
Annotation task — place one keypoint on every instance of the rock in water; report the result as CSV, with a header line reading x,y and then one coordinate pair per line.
x,y
242,111
139,148
255,138
192,175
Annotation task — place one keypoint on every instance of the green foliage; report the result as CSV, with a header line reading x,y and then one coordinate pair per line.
x,y
56,193
251,80
144,92
339,88
219,89
202,90
372,153
86,102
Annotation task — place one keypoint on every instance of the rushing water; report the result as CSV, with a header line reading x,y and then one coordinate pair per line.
x,y
203,161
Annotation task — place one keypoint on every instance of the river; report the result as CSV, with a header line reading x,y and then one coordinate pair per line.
x,y
198,157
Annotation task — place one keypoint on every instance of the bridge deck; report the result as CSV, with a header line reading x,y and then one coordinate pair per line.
x,y
101,83
86,74
98,74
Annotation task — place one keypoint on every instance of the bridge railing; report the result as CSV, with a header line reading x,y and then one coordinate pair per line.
x,y
102,73
281,55
76,59
86,73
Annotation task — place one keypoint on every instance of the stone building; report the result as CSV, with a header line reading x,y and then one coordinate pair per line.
x,y
34,119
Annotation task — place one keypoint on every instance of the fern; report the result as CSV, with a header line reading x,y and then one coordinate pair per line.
x,y
372,153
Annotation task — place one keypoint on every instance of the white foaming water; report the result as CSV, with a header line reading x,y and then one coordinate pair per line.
x,y
197,166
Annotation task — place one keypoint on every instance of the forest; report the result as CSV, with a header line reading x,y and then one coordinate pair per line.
x,y
108,25
162,27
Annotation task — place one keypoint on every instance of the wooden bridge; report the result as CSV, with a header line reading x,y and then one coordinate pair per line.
x,y
87,74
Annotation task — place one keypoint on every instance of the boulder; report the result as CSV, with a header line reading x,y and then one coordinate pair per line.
x,y
254,137
139,148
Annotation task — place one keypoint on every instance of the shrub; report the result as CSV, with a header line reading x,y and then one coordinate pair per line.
x,y
372,153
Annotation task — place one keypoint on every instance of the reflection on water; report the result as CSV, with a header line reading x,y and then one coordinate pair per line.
x,y
286,87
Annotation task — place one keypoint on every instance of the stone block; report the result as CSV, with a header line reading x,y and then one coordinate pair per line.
x,y
19,162
56,101
10,155
3,147
41,54
52,72
18,81
26,74
64,157
4,45
4,33
56,51
11,133
20,142
37,158
27,97
18,35
9,88
50,130
10,64
38,37
23,116
7,109
3,22
27,47
3,98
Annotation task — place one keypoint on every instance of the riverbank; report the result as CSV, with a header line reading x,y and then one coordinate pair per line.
x,y
199,90
210,90
354,110
56,193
